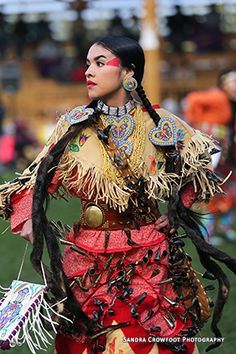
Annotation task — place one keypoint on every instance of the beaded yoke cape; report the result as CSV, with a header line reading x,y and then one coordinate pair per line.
x,y
85,163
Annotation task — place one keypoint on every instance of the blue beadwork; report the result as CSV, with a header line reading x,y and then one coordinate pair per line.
x,y
157,130
120,138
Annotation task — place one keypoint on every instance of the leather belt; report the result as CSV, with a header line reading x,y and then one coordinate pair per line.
x,y
99,216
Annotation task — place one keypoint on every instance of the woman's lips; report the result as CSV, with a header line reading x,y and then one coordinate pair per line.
x,y
91,84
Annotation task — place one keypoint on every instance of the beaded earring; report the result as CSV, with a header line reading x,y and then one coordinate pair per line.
x,y
130,84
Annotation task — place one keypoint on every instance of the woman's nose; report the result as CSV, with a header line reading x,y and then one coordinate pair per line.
x,y
89,72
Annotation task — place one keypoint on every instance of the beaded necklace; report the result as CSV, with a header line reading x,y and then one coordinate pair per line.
x,y
116,111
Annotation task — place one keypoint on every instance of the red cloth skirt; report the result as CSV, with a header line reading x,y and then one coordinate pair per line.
x,y
105,260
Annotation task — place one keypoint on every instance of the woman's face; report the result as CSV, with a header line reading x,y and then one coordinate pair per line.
x,y
104,74
229,85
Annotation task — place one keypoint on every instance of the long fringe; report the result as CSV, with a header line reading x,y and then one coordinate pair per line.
x,y
195,164
32,328
96,184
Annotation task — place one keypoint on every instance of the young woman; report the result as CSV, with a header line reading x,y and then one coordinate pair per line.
x,y
127,284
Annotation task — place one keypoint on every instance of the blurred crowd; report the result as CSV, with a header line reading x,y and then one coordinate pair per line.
x,y
64,61
20,33
18,144
55,58
202,32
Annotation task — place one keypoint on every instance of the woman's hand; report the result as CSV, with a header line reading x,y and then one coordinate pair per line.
x,y
162,223
27,231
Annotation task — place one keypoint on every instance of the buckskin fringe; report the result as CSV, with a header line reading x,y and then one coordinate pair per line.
x,y
159,186
98,187
16,186
196,163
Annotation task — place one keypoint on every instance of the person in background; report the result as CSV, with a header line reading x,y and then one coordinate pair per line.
x,y
43,29
2,114
181,28
26,143
49,56
208,35
116,25
227,83
124,272
214,112
4,37
20,36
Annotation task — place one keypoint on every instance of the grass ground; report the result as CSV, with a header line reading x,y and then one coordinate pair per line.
x,y
12,248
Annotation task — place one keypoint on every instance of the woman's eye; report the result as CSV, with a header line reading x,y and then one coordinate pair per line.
x,y
87,66
99,63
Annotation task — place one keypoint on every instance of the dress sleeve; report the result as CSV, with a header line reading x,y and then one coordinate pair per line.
x,y
21,204
16,196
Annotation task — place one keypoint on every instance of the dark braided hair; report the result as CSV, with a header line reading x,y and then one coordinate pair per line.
x,y
181,216
147,104
44,233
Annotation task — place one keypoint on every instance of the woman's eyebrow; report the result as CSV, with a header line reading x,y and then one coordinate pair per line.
x,y
98,57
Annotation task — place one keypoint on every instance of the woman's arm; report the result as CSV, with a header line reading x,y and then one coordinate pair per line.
x,y
21,204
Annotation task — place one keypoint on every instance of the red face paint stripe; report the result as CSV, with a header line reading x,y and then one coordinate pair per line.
x,y
113,62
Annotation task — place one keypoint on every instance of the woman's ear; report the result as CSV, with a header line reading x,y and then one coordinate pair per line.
x,y
127,72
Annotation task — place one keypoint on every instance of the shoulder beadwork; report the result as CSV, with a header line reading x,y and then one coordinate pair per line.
x,y
170,130
165,133
78,114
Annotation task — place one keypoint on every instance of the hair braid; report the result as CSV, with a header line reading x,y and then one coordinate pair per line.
x,y
147,104
42,229
183,217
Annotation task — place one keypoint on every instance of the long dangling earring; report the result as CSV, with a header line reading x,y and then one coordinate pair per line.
x,y
130,84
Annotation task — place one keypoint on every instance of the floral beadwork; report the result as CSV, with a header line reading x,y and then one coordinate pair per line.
x,y
81,141
165,133
74,147
154,164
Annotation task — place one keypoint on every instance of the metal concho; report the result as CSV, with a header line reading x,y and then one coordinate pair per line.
x,y
93,216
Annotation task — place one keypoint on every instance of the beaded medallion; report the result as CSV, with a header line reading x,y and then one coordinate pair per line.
x,y
121,129
78,114
165,133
